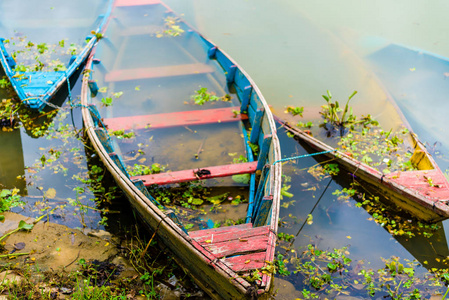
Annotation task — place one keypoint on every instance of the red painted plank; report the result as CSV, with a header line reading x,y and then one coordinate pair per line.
x,y
245,262
205,232
189,175
234,234
252,244
121,3
158,72
420,181
141,30
182,118
272,238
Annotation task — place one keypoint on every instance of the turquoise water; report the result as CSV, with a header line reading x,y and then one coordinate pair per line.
x,y
294,51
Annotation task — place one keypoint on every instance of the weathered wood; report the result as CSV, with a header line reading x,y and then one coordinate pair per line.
x,y
264,150
158,72
231,74
125,3
139,184
191,175
235,233
256,123
104,138
245,262
263,211
431,183
269,256
174,119
206,232
116,159
234,247
245,97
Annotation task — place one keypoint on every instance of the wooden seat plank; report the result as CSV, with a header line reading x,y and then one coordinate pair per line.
x,y
141,30
242,246
206,232
245,262
233,235
183,118
158,72
190,175
122,3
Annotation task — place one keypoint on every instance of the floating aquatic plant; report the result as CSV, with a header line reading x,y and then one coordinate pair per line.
x,y
202,96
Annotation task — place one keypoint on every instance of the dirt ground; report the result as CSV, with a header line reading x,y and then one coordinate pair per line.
x,y
54,246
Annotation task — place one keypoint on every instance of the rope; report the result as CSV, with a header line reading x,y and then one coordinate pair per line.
x,y
302,156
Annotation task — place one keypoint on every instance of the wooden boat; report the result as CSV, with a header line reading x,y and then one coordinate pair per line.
x,y
423,193
37,88
232,262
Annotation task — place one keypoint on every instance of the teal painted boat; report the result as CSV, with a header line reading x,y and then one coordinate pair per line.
x,y
36,89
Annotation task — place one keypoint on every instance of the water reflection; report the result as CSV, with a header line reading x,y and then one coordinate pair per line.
x,y
11,161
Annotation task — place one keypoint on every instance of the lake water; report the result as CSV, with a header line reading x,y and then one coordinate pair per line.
x,y
295,51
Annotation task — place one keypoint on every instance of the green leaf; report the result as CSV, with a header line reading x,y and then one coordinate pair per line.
x,y
23,225
352,95
5,193
242,178
197,201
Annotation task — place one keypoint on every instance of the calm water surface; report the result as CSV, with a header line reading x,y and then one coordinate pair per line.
x,y
295,51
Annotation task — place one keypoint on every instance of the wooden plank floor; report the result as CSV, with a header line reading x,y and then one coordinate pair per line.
x,y
240,247
174,119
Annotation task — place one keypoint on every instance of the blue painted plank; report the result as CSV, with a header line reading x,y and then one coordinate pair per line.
x,y
175,219
240,80
141,186
104,138
223,61
255,102
256,126
252,182
230,75
260,191
117,160
264,211
244,96
263,151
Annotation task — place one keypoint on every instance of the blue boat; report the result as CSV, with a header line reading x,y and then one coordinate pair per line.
x,y
160,94
36,89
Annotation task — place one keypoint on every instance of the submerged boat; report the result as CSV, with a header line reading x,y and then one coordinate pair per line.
x,y
164,94
411,75
34,87
422,192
